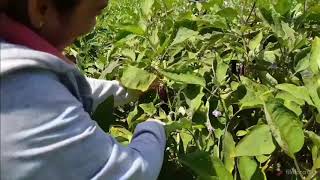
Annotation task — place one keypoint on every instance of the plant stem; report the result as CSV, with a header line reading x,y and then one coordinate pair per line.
x,y
211,93
235,114
308,123
305,6
225,109
298,168
312,173
252,9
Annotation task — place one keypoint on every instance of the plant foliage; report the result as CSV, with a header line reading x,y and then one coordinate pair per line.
x,y
238,82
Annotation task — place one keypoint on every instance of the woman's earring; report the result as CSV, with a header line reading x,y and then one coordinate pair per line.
x,y
41,24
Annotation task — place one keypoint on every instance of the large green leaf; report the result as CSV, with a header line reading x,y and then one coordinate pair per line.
x,y
148,108
291,102
185,78
286,96
315,148
206,166
228,151
314,14
121,134
249,169
313,86
315,55
146,7
186,138
302,65
221,72
178,125
133,115
134,28
257,142
253,97
300,92
193,95
294,107
229,13
283,6
255,42
137,79
183,35
285,126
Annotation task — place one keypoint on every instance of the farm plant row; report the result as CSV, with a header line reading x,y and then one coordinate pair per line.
x,y
237,82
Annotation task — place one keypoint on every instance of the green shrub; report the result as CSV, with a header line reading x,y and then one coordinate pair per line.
x,y
239,82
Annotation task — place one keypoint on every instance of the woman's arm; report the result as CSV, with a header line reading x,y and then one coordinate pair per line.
x,y
46,134
102,89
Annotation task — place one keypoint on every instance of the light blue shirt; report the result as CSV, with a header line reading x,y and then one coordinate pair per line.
x,y
46,128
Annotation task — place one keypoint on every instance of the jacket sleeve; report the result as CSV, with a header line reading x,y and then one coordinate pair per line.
x,y
46,134
102,89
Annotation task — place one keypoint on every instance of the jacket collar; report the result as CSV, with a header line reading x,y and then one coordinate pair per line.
x,y
16,33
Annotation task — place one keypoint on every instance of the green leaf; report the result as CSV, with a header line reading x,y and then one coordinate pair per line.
x,y
229,13
146,7
283,6
137,79
269,56
109,69
262,158
315,148
256,142
178,125
228,151
241,133
285,127
292,106
154,39
265,13
302,65
314,137
255,42
193,95
315,56
253,97
313,14
249,169
133,115
129,53
183,35
121,134
135,29
313,86
267,78
318,118
206,166
186,138
148,108
221,72
300,92
286,96
185,78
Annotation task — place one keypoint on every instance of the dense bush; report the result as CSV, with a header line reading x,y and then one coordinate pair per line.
x,y
237,82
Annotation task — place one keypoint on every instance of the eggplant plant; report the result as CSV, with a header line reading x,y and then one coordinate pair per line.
x,y
236,82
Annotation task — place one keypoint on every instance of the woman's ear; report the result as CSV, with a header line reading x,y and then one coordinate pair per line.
x,y
38,11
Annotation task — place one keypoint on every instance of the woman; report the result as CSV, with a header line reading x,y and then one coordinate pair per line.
x,y
46,128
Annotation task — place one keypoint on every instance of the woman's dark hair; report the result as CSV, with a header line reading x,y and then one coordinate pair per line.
x,y
18,9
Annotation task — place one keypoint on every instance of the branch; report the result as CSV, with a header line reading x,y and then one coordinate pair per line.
x,y
252,9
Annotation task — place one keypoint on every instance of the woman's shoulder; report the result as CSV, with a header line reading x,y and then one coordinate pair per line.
x,y
15,57
44,69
